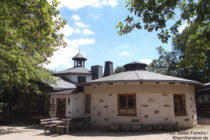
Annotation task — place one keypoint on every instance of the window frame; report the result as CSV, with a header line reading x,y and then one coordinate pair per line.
x,y
118,104
78,81
184,112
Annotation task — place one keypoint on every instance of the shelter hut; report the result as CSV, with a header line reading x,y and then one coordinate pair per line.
x,y
137,96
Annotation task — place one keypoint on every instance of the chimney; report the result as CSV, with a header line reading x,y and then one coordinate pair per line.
x,y
96,71
108,70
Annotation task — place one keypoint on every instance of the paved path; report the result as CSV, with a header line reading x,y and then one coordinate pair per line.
x,y
28,132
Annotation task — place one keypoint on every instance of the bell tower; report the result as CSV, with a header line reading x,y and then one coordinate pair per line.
x,y
79,60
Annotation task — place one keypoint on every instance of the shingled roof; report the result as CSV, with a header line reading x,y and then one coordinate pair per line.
x,y
62,84
76,70
79,56
141,76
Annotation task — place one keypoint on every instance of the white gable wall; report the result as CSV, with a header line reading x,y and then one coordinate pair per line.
x,y
74,78
75,108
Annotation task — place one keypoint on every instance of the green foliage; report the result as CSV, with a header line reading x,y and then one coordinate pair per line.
x,y
166,63
28,36
190,56
153,15
119,69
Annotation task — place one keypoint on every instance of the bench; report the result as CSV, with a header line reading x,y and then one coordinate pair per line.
x,y
47,124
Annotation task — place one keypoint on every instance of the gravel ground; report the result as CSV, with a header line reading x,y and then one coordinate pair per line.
x,y
31,132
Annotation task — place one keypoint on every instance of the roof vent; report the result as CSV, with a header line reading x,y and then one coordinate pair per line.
x,y
135,66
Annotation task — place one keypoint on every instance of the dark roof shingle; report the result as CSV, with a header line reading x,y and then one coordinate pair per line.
x,y
80,70
62,84
79,56
142,76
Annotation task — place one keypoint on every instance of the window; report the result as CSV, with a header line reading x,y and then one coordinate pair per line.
x,y
179,105
81,79
127,104
87,103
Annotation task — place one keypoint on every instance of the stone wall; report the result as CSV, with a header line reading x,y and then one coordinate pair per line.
x,y
154,103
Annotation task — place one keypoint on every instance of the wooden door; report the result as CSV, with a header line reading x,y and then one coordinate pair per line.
x,y
61,108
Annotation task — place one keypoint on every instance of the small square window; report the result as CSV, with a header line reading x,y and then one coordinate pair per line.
x,y
81,79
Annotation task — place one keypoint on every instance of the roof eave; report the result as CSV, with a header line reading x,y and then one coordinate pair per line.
x,y
120,81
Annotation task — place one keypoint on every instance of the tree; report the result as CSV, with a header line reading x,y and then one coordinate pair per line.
x,y
28,36
194,46
190,55
119,69
166,62
154,15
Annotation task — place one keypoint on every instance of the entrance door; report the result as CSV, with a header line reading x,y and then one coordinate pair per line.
x,y
61,108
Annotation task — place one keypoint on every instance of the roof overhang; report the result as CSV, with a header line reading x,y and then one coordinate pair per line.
x,y
62,92
159,81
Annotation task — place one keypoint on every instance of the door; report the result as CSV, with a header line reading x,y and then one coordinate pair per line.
x,y
61,108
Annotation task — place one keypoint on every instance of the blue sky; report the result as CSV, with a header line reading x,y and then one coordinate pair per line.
x,y
91,28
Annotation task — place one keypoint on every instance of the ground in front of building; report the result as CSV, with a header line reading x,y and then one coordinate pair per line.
x,y
33,132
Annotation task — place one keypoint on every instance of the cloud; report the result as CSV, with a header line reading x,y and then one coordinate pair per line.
x,y
68,30
94,15
77,30
80,24
145,60
77,4
125,53
76,17
80,41
123,46
62,58
87,32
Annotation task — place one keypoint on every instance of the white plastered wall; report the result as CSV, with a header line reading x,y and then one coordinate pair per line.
x,y
154,103
75,108
74,78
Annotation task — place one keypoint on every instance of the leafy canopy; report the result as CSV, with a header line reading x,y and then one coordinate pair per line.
x,y
153,15
190,55
119,69
28,36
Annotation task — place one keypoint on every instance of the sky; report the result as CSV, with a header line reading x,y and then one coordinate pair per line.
x,y
91,28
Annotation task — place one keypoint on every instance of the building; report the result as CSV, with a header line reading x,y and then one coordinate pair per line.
x,y
203,100
135,96
140,97
68,101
